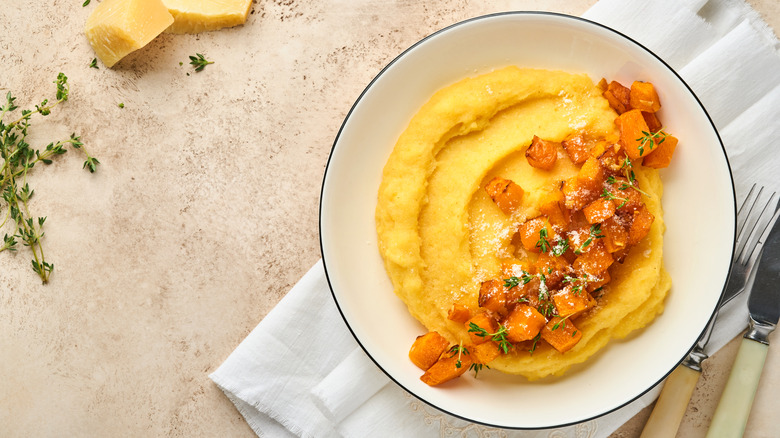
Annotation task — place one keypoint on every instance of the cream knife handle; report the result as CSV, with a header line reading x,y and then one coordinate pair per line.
x,y
733,409
671,404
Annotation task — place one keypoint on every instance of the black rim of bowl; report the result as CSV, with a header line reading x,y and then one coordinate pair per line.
x,y
400,56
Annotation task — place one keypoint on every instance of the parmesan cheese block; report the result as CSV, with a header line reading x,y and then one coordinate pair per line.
x,y
118,27
192,16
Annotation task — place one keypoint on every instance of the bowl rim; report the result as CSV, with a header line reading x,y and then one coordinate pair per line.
x,y
556,15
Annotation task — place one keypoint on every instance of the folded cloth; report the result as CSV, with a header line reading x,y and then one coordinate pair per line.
x,y
300,371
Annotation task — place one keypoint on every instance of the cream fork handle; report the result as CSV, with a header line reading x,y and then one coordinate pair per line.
x,y
733,410
671,404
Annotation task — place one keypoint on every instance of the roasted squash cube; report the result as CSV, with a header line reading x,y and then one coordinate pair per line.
x,y
530,232
507,195
459,313
640,226
448,367
542,154
561,334
652,121
553,206
634,134
593,262
523,323
486,322
554,268
615,235
598,282
626,198
662,154
618,96
599,210
644,97
591,174
484,353
578,147
427,349
492,296
574,298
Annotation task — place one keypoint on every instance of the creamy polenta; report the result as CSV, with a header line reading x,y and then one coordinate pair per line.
x,y
441,235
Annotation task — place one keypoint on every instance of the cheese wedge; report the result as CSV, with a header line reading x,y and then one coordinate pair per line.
x,y
192,16
118,27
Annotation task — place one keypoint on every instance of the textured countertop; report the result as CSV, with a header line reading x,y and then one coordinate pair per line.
x,y
203,212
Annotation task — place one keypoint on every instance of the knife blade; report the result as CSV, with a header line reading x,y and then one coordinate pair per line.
x,y
733,409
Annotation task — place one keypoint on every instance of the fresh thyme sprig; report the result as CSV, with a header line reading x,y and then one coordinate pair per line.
x,y
578,283
199,62
557,249
477,367
499,336
18,159
459,350
606,194
650,139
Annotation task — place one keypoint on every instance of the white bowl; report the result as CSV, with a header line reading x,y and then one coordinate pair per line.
x,y
699,204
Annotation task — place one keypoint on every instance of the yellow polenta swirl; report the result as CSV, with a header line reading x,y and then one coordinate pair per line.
x,y
440,235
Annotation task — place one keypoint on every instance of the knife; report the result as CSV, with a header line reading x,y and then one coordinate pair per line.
x,y
733,410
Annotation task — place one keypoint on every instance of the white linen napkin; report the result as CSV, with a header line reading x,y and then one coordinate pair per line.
x,y
300,371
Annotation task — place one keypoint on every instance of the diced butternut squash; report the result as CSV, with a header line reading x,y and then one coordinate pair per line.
x,y
530,233
618,96
598,282
634,134
571,301
561,334
578,147
448,367
484,321
542,154
644,97
485,352
427,349
523,323
553,206
459,313
602,85
599,210
662,154
626,198
492,296
591,174
593,262
615,235
505,193
652,121
640,226
584,188
553,268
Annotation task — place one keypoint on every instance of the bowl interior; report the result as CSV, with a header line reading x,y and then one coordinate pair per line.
x,y
698,202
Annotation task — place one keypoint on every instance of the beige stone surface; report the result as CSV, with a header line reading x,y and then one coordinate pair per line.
x,y
204,210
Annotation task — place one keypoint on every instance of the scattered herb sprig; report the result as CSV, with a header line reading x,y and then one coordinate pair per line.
x,y
199,62
18,158
650,139
499,336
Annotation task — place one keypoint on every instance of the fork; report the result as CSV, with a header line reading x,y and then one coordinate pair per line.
x,y
752,219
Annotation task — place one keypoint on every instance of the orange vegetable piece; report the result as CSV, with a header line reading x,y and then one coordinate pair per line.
x,y
553,206
591,174
602,85
542,154
553,267
448,367
427,349
484,321
626,199
652,121
585,187
505,193
492,296
595,261
597,282
459,313
529,232
561,334
484,353
662,154
632,128
599,210
523,323
570,302
640,226
615,235
644,97
577,147
618,96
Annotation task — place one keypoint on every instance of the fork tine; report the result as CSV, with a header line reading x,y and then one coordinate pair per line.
x,y
757,229
742,214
